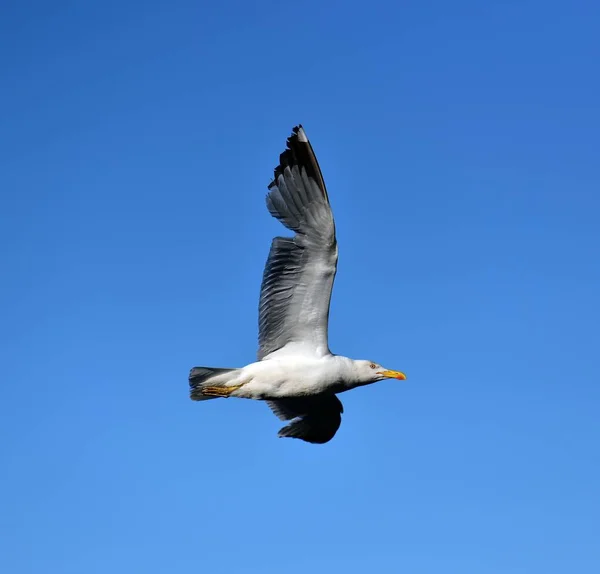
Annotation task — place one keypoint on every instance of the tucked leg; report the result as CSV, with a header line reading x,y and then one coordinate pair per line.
x,y
219,391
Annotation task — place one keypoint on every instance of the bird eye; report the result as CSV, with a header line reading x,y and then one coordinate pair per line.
x,y
373,365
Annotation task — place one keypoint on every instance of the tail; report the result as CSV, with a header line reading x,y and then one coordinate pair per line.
x,y
207,377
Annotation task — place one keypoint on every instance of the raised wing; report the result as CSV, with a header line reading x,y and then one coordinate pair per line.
x,y
300,270
314,419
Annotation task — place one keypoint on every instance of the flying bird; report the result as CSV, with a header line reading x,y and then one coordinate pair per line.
x,y
296,374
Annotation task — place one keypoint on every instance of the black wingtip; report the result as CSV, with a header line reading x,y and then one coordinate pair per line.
x,y
298,137
289,156
299,152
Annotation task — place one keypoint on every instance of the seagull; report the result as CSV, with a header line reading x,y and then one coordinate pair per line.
x,y
296,374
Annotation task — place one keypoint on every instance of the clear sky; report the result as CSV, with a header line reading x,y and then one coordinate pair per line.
x,y
459,142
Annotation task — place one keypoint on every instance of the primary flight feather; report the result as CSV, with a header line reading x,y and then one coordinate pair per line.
x,y
296,374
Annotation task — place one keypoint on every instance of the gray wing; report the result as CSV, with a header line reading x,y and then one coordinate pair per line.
x,y
300,270
315,419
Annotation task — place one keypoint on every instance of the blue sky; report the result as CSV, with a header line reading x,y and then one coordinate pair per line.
x,y
459,142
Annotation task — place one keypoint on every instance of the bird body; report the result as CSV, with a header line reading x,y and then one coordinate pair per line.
x,y
296,374
293,375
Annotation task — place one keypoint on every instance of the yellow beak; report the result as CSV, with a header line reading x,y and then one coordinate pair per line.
x,y
393,375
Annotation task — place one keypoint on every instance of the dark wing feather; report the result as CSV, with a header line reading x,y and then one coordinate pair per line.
x,y
299,274
315,419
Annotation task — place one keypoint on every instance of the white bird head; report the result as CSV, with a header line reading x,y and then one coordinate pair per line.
x,y
370,372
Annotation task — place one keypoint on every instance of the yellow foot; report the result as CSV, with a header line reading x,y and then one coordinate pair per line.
x,y
219,391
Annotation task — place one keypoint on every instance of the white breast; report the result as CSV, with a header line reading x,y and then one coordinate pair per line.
x,y
289,376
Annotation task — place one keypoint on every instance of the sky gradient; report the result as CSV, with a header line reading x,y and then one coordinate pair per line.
x,y
459,144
